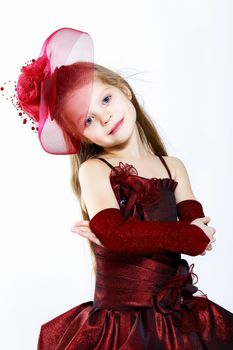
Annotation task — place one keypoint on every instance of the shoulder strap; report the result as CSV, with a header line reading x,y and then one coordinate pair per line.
x,y
104,160
165,164
161,158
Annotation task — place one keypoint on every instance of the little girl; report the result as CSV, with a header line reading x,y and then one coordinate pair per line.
x,y
140,215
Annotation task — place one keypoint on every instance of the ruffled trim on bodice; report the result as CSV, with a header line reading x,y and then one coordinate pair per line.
x,y
124,170
136,193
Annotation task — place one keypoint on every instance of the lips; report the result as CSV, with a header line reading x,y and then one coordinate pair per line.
x,y
116,126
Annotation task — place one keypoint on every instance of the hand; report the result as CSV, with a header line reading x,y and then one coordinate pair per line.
x,y
208,230
82,228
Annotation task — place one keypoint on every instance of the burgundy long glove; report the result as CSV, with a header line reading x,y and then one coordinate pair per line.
x,y
145,237
189,210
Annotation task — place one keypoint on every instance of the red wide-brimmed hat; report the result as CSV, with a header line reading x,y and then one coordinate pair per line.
x,y
65,63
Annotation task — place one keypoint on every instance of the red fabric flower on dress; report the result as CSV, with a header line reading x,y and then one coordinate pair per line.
x,y
176,298
29,86
137,193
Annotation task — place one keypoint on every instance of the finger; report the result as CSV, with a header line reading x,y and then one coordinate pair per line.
x,y
97,241
80,232
209,247
81,225
83,229
82,222
206,219
89,235
80,228
86,232
94,239
203,253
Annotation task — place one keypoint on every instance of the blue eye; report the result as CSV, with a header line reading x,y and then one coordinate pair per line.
x,y
107,97
104,99
87,119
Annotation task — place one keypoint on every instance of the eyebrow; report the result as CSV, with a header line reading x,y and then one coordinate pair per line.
x,y
104,91
101,93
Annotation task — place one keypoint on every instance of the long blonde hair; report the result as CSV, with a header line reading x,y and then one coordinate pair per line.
x,y
147,131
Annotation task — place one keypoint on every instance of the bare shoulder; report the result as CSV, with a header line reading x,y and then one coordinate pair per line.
x,y
170,161
176,165
93,164
183,189
96,190
93,171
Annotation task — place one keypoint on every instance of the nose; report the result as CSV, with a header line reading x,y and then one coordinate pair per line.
x,y
105,117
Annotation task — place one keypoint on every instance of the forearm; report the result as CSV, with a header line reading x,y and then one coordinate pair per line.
x,y
145,237
189,210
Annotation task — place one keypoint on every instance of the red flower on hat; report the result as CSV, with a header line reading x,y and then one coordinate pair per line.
x,y
29,86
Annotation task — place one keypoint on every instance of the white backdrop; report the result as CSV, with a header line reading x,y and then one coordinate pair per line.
x,y
184,52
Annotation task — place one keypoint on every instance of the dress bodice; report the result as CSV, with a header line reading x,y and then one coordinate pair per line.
x,y
151,280
142,198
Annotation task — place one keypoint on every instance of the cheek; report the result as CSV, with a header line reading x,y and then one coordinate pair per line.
x,y
93,134
86,134
131,111
125,107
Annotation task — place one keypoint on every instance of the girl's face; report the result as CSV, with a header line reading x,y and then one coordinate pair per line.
x,y
107,107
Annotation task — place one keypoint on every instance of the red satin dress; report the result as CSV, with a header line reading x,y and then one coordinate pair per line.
x,y
142,302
